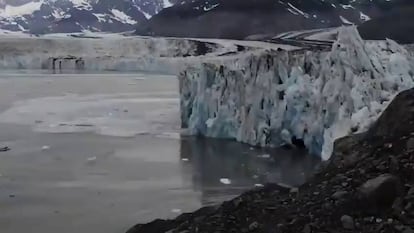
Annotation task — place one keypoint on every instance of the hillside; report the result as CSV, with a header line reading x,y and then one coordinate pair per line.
x,y
397,25
237,19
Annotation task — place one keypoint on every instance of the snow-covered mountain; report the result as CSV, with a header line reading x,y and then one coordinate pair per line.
x,y
241,18
47,16
188,18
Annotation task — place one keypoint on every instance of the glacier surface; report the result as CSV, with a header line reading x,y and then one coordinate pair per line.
x,y
114,52
269,98
111,53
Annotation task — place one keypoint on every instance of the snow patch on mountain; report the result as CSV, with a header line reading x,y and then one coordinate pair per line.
x,y
347,6
167,3
25,9
59,14
148,16
208,8
122,17
345,21
100,17
81,4
364,17
296,11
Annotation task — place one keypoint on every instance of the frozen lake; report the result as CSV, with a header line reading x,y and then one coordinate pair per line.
x,y
102,152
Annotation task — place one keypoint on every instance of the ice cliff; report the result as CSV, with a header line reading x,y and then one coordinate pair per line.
x,y
269,98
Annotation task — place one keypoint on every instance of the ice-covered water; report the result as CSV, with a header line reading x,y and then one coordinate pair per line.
x,y
125,114
105,114
101,152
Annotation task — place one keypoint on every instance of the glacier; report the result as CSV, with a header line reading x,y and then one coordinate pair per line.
x,y
270,97
114,52
99,52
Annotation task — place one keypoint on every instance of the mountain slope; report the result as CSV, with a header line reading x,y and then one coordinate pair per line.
x,y
238,19
49,16
397,25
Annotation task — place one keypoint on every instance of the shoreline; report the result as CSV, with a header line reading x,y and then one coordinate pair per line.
x,y
367,186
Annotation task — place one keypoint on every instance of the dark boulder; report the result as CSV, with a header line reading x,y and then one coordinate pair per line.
x,y
397,119
379,193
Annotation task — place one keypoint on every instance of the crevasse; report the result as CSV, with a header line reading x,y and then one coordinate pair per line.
x,y
267,98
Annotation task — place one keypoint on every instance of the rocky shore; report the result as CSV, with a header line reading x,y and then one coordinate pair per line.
x,y
367,186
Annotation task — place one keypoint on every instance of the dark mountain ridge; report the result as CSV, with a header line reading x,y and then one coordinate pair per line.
x,y
398,25
237,19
